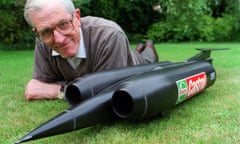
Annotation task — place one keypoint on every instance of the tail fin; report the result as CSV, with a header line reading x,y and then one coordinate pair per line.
x,y
204,55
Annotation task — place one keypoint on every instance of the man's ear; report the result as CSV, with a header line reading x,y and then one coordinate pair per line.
x,y
78,13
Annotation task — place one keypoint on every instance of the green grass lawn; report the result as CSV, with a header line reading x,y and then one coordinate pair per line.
x,y
213,117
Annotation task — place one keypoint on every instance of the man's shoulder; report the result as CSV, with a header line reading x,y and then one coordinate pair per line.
x,y
97,30
99,22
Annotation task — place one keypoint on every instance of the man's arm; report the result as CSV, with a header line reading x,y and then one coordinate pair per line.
x,y
36,89
44,83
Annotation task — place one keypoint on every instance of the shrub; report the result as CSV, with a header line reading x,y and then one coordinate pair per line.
x,y
224,27
14,30
206,28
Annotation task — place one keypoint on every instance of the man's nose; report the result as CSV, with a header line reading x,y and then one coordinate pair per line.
x,y
58,37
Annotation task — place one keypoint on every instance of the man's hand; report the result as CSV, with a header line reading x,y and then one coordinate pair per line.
x,y
36,90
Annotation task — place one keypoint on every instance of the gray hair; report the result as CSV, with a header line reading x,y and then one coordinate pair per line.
x,y
37,5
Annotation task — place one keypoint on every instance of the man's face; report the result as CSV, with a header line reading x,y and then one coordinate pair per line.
x,y
51,20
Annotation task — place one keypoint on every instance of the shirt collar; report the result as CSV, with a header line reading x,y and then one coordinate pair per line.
x,y
81,53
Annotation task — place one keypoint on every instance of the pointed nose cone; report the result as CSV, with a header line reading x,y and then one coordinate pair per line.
x,y
24,139
90,112
62,123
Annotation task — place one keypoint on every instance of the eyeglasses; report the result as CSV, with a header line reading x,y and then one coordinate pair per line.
x,y
64,27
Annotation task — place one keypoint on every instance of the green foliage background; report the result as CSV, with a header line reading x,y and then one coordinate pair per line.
x,y
200,20
188,20
14,30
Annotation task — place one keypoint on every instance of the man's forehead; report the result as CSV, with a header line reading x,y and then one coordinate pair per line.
x,y
48,16
48,6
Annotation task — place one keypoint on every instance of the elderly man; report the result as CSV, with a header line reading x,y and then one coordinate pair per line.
x,y
68,46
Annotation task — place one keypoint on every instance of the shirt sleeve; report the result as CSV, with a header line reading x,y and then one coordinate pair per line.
x,y
45,68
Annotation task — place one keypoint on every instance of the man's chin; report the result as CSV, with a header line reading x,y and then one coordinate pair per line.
x,y
67,52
